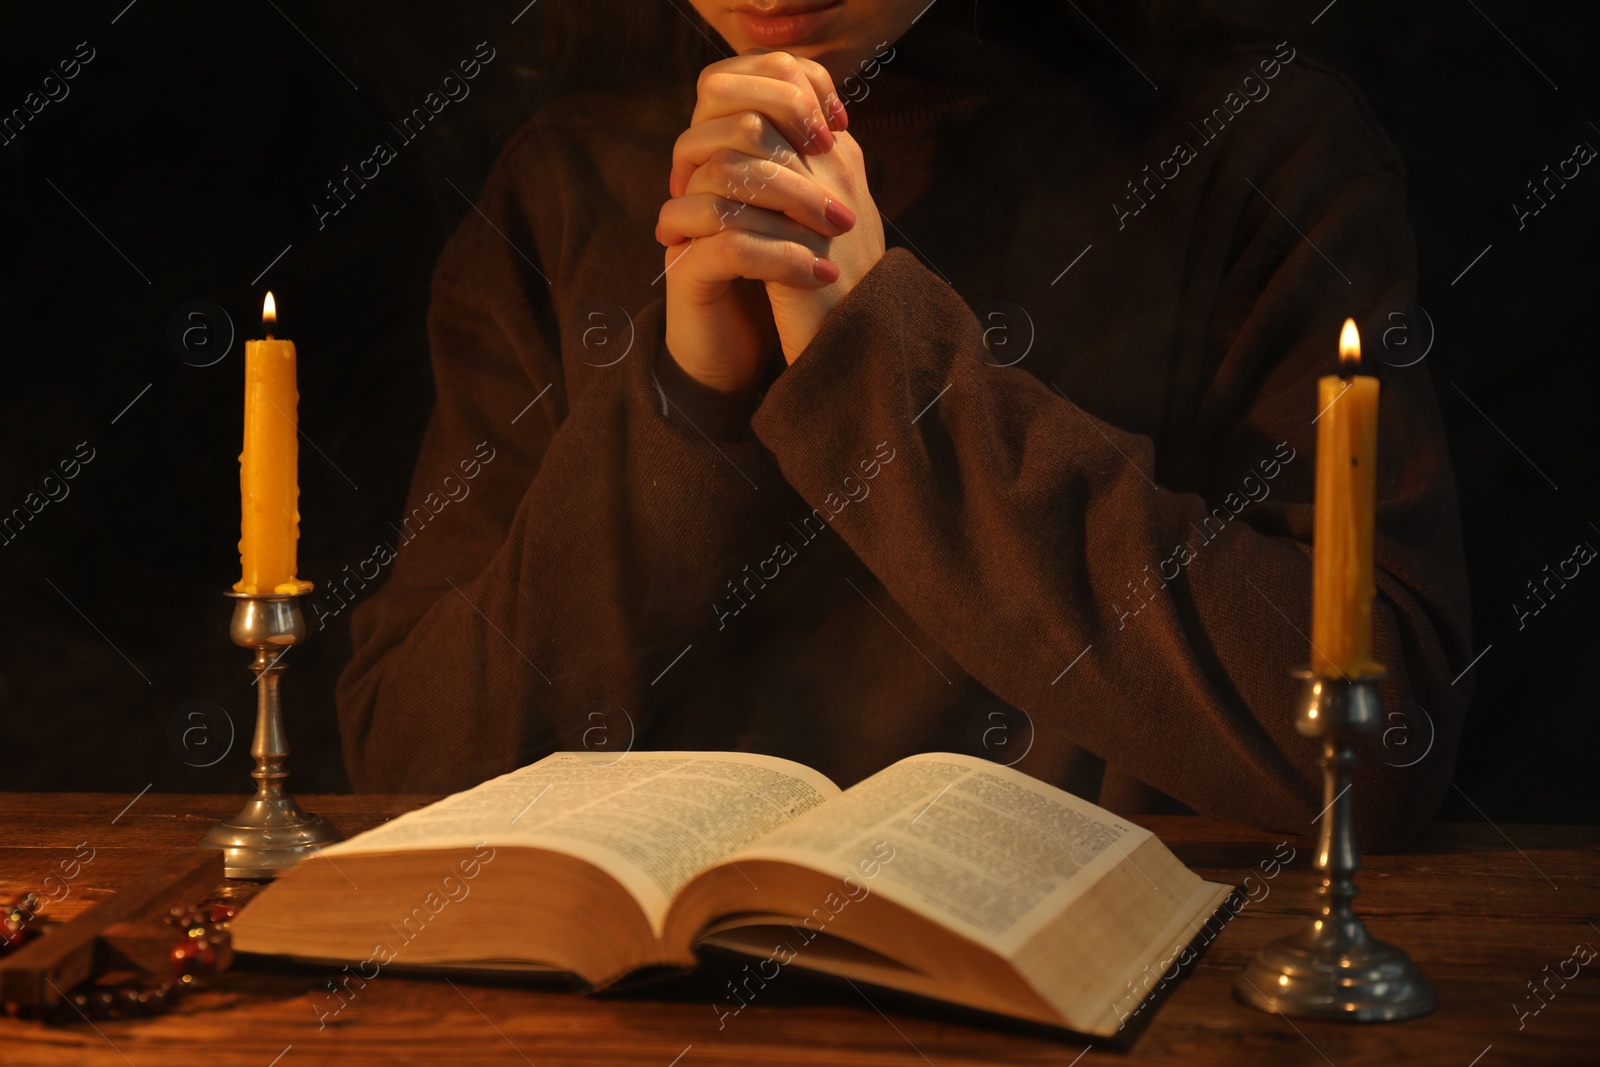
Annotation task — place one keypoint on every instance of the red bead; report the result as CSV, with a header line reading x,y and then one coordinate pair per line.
x,y
221,913
15,919
12,935
192,959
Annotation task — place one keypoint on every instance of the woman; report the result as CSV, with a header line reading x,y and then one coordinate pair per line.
x,y
969,408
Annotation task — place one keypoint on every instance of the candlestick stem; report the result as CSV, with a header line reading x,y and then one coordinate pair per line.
x,y
271,745
1336,845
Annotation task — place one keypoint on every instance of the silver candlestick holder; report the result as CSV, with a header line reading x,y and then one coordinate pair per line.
x,y
1332,968
271,833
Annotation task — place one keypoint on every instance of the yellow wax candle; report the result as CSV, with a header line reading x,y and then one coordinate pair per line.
x,y
269,488
1346,515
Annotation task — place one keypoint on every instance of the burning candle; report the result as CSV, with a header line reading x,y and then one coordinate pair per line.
x,y
1346,515
269,488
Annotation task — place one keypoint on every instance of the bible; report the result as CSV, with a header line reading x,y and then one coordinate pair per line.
x,y
941,876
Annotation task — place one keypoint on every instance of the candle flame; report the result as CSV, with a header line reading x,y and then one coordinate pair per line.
x,y
1349,349
269,311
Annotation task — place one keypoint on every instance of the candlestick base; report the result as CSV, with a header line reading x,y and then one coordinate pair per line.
x,y
271,833
1336,971
1332,968
267,837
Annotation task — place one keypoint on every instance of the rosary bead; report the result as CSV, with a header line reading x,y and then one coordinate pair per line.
x,y
12,935
192,958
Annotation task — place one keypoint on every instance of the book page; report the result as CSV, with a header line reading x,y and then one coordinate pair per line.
x,y
988,851
651,820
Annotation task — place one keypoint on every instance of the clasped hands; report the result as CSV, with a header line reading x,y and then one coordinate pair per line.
x,y
770,225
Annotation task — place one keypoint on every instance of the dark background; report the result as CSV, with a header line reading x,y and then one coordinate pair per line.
x,y
187,156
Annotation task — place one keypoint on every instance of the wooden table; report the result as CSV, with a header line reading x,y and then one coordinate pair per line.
x,y
1482,912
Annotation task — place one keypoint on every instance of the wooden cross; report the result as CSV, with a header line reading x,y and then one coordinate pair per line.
x,y
124,932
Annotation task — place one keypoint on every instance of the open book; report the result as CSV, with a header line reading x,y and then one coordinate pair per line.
x,y
942,875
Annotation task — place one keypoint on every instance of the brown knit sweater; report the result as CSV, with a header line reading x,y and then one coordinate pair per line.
x,y
1040,487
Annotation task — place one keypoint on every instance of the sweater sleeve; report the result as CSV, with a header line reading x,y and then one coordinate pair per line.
x,y
560,536
1024,533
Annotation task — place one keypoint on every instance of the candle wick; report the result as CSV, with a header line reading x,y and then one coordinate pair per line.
x,y
269,335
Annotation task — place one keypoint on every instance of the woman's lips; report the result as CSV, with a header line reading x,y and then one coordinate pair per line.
x,y
781,30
